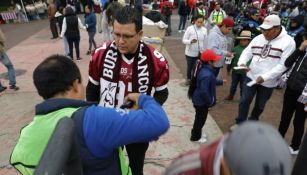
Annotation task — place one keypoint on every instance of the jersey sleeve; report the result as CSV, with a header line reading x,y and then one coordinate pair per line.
x,y
95,65
161,70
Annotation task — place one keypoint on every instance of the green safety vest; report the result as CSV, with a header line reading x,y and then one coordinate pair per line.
x,y
35,137
217,17
202,12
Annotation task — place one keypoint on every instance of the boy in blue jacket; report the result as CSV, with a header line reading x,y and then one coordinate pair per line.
x,y
203,92
90,23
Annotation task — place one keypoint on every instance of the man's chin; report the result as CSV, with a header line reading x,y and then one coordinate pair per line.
x,y
122,51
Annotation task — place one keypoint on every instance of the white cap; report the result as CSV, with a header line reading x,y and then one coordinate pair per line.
x,y
270,21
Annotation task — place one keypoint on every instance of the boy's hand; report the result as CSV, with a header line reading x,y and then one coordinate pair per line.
x,y
224,81
134,98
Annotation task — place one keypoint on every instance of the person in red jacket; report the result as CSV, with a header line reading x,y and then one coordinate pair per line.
x,y
166,11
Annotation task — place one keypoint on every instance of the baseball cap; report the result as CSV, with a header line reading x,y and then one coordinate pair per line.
x,y
228,22
270,21
256,148
209,55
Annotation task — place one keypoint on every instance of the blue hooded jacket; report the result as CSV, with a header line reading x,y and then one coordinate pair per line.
x,y
205,92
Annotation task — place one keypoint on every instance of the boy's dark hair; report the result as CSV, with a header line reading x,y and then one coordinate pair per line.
x,y
128,15
90,7
55,75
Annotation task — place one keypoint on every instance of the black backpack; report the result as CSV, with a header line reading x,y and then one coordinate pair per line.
x,y
193,82
167,10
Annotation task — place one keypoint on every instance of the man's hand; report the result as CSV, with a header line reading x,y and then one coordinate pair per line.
x,y
134,97
303,45
259,80
305,109
224,81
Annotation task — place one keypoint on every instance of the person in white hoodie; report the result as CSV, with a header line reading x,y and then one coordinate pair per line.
x,y
194,39
268,52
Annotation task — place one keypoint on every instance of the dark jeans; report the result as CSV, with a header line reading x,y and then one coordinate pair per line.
x,y
262,93
216,71
236,78
168,22
53,28
182,21
201,113
91,40
73,41
291,105
190,64
136,154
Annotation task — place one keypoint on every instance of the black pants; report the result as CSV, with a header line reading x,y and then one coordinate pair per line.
x,y
75,40
201,113
53,28
136,154
291,105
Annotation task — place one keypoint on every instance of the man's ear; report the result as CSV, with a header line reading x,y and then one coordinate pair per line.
x,y
75,85
141,33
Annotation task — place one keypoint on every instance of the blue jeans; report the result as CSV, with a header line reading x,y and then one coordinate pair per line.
x,y
190,64
5,60
236,78
182,21
262,93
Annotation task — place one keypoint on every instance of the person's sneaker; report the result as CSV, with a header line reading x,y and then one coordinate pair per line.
x,y
14,87
3,89
292,151
229,97
78,59
182,31
88,52
179,31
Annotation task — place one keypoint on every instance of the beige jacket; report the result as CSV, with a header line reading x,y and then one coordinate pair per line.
x,y
2,40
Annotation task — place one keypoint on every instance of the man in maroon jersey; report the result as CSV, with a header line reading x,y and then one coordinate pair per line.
x,y
127,65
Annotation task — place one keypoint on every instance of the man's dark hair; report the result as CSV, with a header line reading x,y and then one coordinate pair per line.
x,y
55,75
128,15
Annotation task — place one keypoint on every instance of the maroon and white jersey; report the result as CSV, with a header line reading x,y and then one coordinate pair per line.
x,y
117,76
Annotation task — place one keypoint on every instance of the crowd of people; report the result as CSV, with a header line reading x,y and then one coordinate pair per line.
x,y
269,52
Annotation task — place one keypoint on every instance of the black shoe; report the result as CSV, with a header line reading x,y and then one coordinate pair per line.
x,y
14,87
88,52
78,59
3,89
54,38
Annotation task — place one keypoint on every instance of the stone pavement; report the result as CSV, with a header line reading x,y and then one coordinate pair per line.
x,y
17,108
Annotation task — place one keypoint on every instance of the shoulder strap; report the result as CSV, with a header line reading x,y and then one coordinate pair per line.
x,y
197,39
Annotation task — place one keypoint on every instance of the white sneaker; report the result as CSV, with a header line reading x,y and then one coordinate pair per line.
x,y
179,31
292,151
202,140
